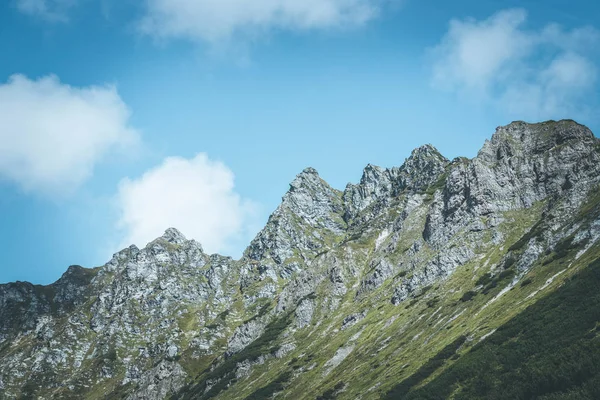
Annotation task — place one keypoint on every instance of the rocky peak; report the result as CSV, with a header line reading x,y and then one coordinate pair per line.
x,y
372,174
76,276
307,172
522,138
172,235
72,288
519,166
306,182
422,169
309,206
376,180
312,199
425,152
558,131
376,183
74,272
544,158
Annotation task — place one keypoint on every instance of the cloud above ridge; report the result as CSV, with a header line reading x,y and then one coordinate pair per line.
x,y
529,73
196,196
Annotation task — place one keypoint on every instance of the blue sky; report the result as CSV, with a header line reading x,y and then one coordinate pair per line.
x,y
120,119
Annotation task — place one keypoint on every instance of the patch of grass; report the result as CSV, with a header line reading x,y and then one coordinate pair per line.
x,y
411,303
509,261
403,388
277,385
223,316
262,311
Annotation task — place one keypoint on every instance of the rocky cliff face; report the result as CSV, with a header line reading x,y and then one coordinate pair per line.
x,y
342,294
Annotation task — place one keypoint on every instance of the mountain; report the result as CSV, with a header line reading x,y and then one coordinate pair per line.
x,y
465,279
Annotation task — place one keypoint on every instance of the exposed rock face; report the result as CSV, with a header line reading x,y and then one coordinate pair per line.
x,y
160,381
309,214
21,303
521,165
420,171
336,281
245,334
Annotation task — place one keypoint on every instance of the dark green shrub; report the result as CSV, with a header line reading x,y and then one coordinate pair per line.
x,y
467,296
526,282
484,279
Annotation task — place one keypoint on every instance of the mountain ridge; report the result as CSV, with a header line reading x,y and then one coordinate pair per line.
x,y
328,269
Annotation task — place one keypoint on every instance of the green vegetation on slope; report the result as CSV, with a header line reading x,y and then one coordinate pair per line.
x,y
267,391
550,351
223,375
402,389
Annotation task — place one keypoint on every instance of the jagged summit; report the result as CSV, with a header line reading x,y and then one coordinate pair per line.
x,y
308,179
525,140
309,206
422,169
556,132
172,235
309,171
425,151
563,126
373,176
420,161
314,201
371,172
536,138
307,189
378,185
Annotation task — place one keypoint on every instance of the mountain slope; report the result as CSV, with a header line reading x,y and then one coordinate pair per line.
x,y
549,351
391,286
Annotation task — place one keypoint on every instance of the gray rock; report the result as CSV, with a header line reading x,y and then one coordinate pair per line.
x,y
159,382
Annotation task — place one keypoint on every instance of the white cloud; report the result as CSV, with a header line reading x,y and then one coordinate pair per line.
x,y
52,134
49,10
529,73
196,196
220,20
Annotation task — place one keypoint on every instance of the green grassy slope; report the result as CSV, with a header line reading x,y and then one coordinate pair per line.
x,y
549,351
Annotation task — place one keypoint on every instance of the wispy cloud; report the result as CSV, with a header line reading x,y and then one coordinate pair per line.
x,y
544,73
49,10
196,196
221,20
52,134
225,24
